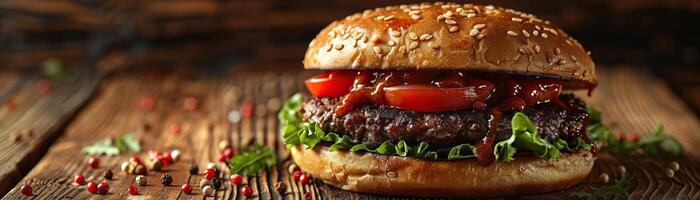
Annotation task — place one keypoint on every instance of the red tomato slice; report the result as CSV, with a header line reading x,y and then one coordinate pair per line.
x,y
426,98
331,84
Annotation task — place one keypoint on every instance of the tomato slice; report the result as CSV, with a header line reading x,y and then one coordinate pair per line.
x,y
427,98
331,84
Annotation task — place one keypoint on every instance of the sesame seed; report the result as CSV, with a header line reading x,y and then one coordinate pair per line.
x,y
426,37
535,32
440,17
573,57
471,15
396,33
391,43
515,19
670,173
363,39
390,17
512,33
479,26
552,31
537,48
425,62
402,49
338,46
445,6
380,17
415,7
454,29
526,34
538,27
522,51
414,12
413,36
354,43
448,14
464,14
557,51
588,52
449,21
478,37
377,50
674,165
490,7
415,17
473,32
433,45
561,62
413,45
544,35
569,42
329,47
459,9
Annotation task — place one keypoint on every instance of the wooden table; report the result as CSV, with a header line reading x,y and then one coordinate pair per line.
x,y
99,105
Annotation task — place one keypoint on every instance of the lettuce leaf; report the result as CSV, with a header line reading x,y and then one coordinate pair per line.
x,y
525,137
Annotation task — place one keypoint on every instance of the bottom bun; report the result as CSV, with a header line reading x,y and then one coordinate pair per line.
x,y
403,176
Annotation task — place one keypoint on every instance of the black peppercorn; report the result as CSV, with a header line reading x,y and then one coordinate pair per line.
x,y
108,174
166,179
281,188
216,183
194,170
216,172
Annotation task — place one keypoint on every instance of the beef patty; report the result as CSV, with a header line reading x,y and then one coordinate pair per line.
x,y
374,124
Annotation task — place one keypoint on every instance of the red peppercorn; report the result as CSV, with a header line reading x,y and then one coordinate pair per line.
x,y
94,162
44,87
186,188
153,154
632,137
296,175
146,103
135,159
167,157
304,179
92,187
103,188
228,152
246,191
27,190
619,136
223,158
191,103
236,179
175,128
133,190
163,160
79,179
247,108
210,173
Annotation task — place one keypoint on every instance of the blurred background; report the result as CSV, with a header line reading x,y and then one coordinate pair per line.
x,y
661,36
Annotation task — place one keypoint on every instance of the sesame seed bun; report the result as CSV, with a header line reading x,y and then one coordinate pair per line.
x,y
403,176
461,37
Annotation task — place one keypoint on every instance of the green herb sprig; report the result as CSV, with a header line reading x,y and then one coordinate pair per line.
x,y
252,160
656,144
617,189
113,147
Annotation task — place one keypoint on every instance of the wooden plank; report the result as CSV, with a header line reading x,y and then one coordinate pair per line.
x,y
25,109
632,99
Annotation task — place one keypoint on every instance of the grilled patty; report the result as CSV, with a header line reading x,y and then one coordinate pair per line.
x,y
374,124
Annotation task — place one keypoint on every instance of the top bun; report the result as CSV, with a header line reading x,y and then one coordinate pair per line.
x,y
461,37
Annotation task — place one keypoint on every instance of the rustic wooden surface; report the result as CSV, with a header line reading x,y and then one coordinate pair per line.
x,y
631,98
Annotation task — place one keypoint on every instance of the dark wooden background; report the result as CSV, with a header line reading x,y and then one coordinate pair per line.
x,y
125,49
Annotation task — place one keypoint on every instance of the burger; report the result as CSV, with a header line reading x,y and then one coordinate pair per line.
x,y
443,100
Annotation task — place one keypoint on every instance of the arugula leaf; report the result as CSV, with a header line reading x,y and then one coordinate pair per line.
x,y
252,160
123,143
462,151
526,136
617,189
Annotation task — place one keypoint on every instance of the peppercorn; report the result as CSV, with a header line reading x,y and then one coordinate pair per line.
x,y
194,169
166,179
622,169
79,179
191,103
156,165
175,154
186,188
204,182
103,188
674,165
281,188
216,183
108,174
135,159
176,128
26,190
211,165
209,174
670,173
292,168
304,179
132,190
296,175
140,170
92,187
125,167
141,180
223,145
236,179
208,191
604,178
223,159
246,191
228,152
93,162
308,196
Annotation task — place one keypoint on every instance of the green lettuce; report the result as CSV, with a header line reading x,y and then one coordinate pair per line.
x,y
525,137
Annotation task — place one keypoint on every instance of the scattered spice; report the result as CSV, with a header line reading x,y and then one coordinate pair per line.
x,y
308,196
615,191
297,175
194,169
146,103
234,116
204,182
166,179
304,179
247,108
92,187
223,159
103,188
186,188
133,191
208,191
292,168
153,154
175,128
674,165
209,174
211,165
228,152
140,170
93,162
622,169
216,183
141,180
27,190
135,159
236,179
604,177
79,179
191,103
108,174
246,191
156,165
27,133
670,173
281,188
175,154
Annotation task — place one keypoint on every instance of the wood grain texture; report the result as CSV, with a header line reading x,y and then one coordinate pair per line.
x,y
631,99
24,108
